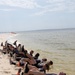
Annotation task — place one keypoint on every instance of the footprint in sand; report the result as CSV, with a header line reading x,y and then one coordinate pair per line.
x,y
7,72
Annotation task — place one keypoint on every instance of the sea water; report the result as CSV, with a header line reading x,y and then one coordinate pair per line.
x,y
55,45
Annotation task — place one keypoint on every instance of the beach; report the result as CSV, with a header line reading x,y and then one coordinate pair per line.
x,y
57,46
5,67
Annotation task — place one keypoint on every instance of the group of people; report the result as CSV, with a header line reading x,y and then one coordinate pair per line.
x,y
28,63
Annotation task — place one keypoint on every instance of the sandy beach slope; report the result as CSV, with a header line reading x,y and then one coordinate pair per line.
x,y
5,67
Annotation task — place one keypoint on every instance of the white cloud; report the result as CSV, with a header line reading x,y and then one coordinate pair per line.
x,y
54,1
57,6
66,5
7,9
48,5
29,4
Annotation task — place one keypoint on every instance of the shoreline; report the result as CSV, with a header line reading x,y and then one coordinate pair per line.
x,y
5,67
58,56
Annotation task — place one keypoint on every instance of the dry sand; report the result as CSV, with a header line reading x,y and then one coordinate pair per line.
x,y
5,67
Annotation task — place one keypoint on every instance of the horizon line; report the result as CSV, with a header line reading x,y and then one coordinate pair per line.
x,y
37,30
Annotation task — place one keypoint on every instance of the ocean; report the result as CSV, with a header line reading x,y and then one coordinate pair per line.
x,y
56,45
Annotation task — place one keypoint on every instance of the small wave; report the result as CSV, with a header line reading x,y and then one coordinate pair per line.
x,y
67,49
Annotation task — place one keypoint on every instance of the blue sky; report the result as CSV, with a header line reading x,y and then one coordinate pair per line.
x,y
23,15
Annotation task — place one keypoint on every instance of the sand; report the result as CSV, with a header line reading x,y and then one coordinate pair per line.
x,y
5,67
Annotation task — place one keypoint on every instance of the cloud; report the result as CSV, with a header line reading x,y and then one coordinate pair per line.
x,y
54,1
29,4
65,5
40,7
57,6
6,9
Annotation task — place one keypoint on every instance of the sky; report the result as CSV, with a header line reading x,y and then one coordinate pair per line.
x,y
25,15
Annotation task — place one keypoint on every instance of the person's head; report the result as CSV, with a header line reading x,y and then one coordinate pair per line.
x,y
2,44
50,62
44,59
37,55
62,73
22,46
19,45
31,52
47,65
